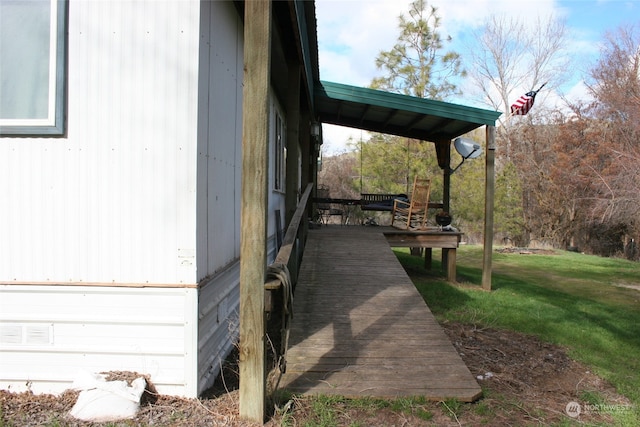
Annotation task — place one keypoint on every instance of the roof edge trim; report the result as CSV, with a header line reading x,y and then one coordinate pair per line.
x,y
397,101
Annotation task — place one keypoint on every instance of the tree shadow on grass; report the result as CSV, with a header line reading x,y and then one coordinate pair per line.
x,y
525,303
439,295
604,334
572,308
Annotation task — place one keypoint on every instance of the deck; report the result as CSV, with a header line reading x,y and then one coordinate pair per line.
x,y
360,328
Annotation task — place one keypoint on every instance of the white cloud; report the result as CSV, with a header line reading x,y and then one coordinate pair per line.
x,y
335,138
460,16
351,33
579,92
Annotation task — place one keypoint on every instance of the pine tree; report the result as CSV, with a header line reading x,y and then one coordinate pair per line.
x,y
417,65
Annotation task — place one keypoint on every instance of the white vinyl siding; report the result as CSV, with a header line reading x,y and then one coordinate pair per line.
x,y
114,200
219,137
218,317
218,191
150,331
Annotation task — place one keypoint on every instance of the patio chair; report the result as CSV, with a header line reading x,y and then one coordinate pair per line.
x,y
412,215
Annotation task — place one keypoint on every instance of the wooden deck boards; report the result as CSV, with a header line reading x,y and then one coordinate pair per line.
x,y
360,328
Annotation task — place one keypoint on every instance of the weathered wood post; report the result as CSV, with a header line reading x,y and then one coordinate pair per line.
x,y
489,188
253,210
293,141
446,201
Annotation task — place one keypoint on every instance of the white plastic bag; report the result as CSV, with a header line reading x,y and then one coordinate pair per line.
x,y
102,400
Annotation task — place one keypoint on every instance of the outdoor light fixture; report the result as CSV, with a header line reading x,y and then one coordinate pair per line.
x,y
467,148
315,129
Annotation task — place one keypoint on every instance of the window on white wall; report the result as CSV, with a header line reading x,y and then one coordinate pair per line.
x,y
32,67
280,154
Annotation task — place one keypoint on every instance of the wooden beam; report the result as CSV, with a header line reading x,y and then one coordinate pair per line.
x,y
253,210
309,164
446,178
417,239
489,188
293,140
443,153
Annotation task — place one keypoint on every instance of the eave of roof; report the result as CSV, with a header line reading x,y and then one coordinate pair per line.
x,y
396,114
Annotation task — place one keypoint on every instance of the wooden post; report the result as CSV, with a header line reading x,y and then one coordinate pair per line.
x,y
309,165
428,257
253,210
444,262
449,260
489,188
446,198
293,141
446,178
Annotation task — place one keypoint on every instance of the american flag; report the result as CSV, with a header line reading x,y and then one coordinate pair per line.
x,y
524,103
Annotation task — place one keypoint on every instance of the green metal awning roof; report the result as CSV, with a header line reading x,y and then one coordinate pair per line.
x,y
392,113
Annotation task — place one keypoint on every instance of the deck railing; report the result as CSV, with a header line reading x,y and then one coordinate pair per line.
x,y
281,278
290,252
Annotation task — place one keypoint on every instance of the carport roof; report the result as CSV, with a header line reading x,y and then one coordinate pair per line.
x,y
392,113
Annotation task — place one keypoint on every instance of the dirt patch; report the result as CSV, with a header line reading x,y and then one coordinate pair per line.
x,y
526,251
623,285
525,381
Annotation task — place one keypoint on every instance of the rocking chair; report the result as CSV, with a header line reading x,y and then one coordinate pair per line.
x,y
412,215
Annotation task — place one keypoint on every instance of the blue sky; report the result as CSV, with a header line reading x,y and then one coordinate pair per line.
x,y
352,32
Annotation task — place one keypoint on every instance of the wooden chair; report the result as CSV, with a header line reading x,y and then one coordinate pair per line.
x,y
413,215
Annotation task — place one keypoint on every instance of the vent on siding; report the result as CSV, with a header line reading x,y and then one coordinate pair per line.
x,y
29,334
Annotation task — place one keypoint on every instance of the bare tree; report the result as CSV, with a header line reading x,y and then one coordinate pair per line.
x,y
339,174
513,54
615,81
615,84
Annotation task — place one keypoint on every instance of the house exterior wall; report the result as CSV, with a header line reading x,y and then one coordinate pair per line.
x,y
218,189
114,200
98,252
219,138
121,242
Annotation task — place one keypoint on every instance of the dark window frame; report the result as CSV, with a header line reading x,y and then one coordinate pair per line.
x,y
54,124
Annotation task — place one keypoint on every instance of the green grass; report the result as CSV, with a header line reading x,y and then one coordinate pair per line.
x,y
334,411
324,411
566,298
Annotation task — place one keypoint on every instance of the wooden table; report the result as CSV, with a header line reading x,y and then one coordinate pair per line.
x,y
428,239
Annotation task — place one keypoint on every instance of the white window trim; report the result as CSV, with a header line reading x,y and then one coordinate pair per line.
x,y
54,124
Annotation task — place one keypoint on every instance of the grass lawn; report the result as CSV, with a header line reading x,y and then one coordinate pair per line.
x,y
574,300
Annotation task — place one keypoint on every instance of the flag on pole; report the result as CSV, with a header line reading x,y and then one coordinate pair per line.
x,y
524,103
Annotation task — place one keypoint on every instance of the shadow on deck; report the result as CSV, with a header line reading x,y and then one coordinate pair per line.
x,y
360,327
